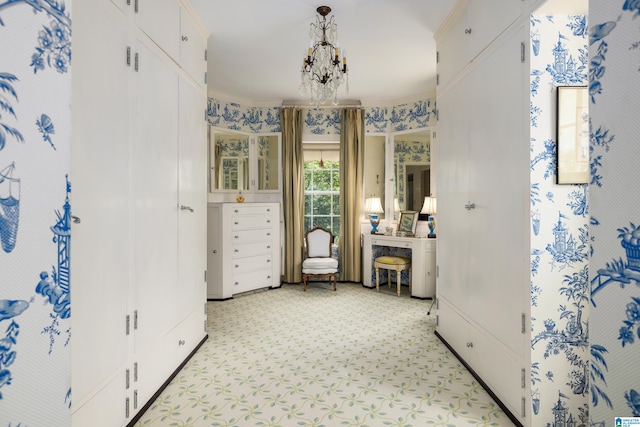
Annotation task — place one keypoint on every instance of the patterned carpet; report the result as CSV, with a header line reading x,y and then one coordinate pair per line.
x,y
354,357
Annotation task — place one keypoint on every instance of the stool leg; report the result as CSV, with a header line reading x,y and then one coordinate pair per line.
x,y
377,279
398,279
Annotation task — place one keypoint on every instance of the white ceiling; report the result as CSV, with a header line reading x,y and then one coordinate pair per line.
x,y
255,48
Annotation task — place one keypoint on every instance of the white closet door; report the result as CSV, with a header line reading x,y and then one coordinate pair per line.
x,y
499,186
192,195
100,249
154,176
453,220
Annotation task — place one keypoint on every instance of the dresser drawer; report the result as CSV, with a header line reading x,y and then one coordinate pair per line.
x,y
249,222
253,280
253,210
250,236
242,265
251,249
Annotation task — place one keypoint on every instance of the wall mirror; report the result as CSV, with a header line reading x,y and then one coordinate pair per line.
x,y
228,160
412,169
268,147
374,161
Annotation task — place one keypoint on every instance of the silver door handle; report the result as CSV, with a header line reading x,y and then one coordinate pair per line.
x,y
75,219
470,206
186,208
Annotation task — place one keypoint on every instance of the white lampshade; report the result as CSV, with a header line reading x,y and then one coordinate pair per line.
x,y
373,205
396,205
429,206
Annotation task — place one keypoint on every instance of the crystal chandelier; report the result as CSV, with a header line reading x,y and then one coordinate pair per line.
x,y
322,69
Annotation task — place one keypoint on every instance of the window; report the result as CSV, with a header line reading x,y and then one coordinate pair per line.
x,y
322,195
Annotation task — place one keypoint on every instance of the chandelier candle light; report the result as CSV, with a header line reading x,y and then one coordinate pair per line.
x,y
322,69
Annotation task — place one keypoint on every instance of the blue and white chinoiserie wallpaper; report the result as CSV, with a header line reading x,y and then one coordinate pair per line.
x,y
559,233
321,121
35,136
614,86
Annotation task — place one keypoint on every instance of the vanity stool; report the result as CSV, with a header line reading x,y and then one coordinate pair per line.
x,y
397,263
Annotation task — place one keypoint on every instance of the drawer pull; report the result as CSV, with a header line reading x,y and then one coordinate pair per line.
x,y
236,251
268,209
235,210
236,284
237,266
235,237
181,342
268,246
268,221
186,208
268,261
236,222
268,234
268,277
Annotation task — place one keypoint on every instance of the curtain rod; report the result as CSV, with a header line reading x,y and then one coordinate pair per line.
x,y
313,107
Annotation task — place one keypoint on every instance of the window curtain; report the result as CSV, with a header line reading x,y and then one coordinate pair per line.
x,y
351,181
292,193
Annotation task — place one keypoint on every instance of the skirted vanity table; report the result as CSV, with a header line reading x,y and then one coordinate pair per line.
x,y
421,250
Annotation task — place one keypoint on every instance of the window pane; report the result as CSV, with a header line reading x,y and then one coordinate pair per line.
x,y
336,179
336,226
322,221
307,178
335,209
322,180
321,205
307,204
307,222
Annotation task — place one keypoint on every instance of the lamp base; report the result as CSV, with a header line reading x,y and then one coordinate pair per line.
x,y
431,235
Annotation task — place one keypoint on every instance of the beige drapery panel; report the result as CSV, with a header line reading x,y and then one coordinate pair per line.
x,y
292,193
351,181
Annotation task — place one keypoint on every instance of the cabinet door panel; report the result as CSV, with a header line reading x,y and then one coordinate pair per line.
x,y
487,19
499,187
100,247
452,49
160,20
154,183
192,186
192,48
453,183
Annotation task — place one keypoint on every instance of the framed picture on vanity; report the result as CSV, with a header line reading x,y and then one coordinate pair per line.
x,y
407,223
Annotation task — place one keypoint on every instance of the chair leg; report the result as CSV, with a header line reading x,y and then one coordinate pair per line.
x,y
304,279
410,281
377,279
398,279
335,279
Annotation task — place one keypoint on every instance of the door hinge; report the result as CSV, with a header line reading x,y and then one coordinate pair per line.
x,y
205,78
126,407
127,373
205,279
135,399
524,407
522,378
128,327
437,57
205,54
524,324
128,56
437,320
437,271
205,324
135,320
135,62
437,79
135,6
521,51
135,372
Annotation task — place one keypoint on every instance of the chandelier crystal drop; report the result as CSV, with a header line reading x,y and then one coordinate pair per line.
x,y
323,70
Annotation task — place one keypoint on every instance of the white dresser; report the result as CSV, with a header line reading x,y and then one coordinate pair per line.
x,y
243,249
423,261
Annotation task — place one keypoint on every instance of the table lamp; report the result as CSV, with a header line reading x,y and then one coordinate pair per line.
x,y
373,207
429,208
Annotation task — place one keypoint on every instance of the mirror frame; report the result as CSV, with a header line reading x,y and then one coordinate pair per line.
x,y
391,170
